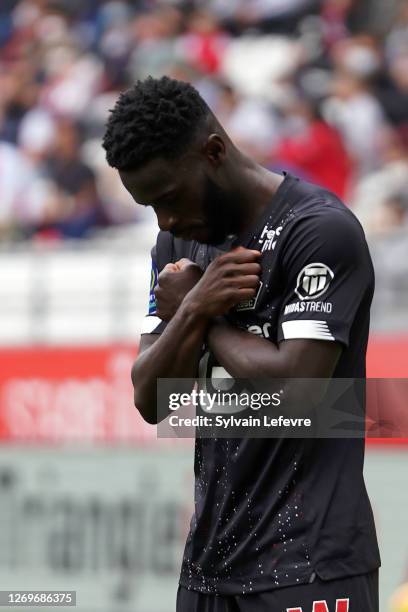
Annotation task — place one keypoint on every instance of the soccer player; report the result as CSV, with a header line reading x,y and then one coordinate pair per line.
x,y
265,276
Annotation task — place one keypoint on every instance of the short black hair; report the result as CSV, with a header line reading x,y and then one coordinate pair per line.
x,y
155,118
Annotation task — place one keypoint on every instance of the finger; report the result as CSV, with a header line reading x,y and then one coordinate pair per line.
x,y
248,281
246,292
242,256
244,269
239,295
241,250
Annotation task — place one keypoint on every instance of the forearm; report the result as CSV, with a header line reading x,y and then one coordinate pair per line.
x,y
243,354
174,355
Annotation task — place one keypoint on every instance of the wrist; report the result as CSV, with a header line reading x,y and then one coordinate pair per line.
x,y
192,308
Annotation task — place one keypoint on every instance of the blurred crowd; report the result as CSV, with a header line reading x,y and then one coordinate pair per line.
x,y
316,87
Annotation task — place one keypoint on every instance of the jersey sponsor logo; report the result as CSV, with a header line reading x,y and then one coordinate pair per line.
x,y
249,304
260,330
268,238
342,605
154,274
308,307
313,281
213,378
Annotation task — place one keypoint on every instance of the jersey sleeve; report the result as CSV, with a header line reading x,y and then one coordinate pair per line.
x,y
152,324
327,272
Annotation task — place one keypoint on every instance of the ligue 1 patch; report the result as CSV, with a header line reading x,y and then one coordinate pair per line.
x,y
154,275
249,304
313,281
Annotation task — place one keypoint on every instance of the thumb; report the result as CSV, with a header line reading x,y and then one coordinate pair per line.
x,y
170,267
183,263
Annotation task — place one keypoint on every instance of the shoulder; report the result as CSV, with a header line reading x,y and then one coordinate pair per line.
x,y
321,213
325,226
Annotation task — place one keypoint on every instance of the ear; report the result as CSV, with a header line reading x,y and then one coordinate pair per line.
x,y
214,149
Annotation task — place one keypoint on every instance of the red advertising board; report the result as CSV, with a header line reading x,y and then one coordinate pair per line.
x,y
85,393
67,394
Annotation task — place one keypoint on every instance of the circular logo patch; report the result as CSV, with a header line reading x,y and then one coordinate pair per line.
x,y
313,281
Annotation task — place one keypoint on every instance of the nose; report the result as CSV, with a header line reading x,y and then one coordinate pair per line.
x,y
166,221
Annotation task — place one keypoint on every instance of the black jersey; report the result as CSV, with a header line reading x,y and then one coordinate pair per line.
x,y
271,513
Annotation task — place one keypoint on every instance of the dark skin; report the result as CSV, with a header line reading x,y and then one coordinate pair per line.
x,y
193,302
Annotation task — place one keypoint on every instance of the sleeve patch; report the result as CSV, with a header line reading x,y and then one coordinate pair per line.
x,y
153,282
313,281
314,330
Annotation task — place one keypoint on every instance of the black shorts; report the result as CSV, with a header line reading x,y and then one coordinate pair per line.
x,y
355,594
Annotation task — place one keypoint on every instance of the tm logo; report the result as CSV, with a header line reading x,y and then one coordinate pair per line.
x,y
313,281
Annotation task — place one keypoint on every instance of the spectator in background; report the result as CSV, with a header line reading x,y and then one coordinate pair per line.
x,y
114,41
392,87
5,20
266,16
358,115
77,209
252,124
380,198
315,149
334,20
156,42
19,93
70,59
352,106
24,196
205,42
392,92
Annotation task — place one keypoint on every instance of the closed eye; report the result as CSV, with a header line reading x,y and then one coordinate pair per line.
x,y
167,199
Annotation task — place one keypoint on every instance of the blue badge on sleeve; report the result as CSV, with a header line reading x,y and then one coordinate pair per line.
x,y
153,282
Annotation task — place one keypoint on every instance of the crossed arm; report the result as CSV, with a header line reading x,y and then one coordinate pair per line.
x,y
193,305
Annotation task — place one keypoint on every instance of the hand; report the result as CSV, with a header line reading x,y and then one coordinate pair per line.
x,y
228,280
174,282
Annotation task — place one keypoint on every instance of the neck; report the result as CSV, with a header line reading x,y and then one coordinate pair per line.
x,y
255,186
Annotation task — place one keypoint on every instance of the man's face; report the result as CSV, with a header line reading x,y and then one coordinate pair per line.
x,y
187,201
